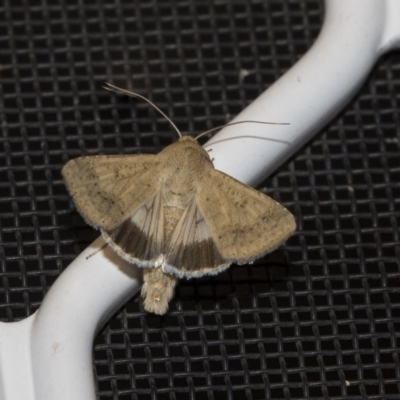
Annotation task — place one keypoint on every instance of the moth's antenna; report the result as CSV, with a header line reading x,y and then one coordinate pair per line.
x,y
112,88
236,123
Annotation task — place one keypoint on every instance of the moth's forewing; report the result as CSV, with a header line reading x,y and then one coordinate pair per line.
x,y
107,190
244,223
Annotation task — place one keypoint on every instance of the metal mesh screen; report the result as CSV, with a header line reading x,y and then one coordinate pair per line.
x,y
320,317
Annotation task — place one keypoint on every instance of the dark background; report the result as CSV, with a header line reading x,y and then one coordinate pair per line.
x,y
320,317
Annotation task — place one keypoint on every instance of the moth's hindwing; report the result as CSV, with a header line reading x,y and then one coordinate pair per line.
x,y
191,251
140,238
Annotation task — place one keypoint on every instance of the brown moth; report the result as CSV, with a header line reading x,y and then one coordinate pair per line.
x,y
173,214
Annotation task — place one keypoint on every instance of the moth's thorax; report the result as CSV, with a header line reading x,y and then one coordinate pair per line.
x,y
185,163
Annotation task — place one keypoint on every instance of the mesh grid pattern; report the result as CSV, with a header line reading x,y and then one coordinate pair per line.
x,y
319,318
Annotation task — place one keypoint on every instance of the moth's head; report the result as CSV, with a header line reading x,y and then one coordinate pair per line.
x,y
189,144
186,137
187,148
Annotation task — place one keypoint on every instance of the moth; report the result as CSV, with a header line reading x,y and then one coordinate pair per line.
x,y
173,214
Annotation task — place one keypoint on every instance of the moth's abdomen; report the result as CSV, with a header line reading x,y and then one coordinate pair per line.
x,y
172,216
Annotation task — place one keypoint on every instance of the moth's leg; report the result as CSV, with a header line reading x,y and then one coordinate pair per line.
x,y
157,290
